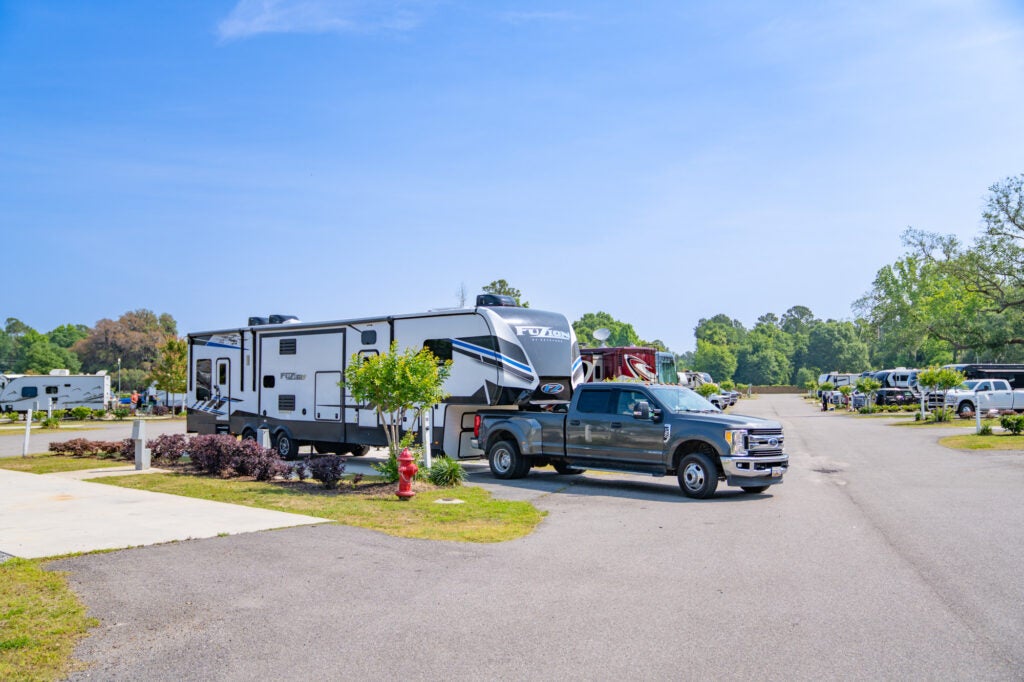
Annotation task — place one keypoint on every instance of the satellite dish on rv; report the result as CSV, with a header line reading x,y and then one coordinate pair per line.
x,y
602,335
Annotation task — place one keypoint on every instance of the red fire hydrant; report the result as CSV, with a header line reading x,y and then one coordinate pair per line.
x,y
406,470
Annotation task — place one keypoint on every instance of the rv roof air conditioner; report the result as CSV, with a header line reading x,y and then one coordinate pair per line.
x,y
272,319
495,301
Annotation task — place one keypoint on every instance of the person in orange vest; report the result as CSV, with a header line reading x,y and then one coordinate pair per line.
x,y
135,401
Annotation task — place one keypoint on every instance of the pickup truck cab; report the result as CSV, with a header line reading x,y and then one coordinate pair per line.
x,y
985,394
655,429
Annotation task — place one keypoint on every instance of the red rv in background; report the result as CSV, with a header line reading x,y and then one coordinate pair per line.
x,y
630,362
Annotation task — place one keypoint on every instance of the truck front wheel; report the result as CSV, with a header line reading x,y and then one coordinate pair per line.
x,y
698,477
964,409
506,461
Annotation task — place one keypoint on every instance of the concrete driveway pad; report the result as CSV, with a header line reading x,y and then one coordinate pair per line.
x,y
48,515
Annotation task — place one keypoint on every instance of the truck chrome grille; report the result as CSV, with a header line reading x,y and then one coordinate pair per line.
x,y
764,442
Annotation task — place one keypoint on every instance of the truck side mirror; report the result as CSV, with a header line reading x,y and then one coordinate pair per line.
x,y
642,410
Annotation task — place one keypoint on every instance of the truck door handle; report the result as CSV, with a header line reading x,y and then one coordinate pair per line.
x,y
616,425
574,422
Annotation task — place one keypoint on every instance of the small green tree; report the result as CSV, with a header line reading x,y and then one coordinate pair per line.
x,y
171,369
868,386
395,382
846,391
940,379
707,390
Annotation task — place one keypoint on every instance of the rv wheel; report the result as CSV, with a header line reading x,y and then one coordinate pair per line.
x,y
284,445
359,450
248,434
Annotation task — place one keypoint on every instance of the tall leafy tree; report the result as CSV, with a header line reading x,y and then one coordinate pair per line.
x,y
622,333
67,335
835,346
135,337
500,286
717,360
764,356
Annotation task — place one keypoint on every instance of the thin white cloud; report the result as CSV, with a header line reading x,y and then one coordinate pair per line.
x,y
520,18
255,17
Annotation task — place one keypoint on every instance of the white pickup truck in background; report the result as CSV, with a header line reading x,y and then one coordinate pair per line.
x,y
985,394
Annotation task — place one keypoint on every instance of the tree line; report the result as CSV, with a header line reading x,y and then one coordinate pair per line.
x,y
942,301
146,344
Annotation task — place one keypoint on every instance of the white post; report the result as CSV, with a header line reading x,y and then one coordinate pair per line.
x,y
977,418
28,432
427,437
922,405
141,451
263,436
49,410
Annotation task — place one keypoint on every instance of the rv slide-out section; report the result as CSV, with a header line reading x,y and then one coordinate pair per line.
x,y
288,377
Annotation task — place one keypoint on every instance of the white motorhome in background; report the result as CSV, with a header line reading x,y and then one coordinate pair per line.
x,y
59,389
285,377
837,379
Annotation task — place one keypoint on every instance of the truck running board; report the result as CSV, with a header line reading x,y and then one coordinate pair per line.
x,y
656,469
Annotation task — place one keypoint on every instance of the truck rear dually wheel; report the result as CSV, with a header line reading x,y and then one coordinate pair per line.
x,y
566,469
698,477
506,461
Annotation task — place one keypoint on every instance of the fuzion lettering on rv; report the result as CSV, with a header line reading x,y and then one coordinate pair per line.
x,y
542,332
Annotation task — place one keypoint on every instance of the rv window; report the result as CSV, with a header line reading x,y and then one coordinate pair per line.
x,y
268,381
368,337
594,402
286,347
442,348
286,403
51,390
29,391
204,379
222,373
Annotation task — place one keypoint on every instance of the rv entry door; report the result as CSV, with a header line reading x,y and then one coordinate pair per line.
x,y
222,390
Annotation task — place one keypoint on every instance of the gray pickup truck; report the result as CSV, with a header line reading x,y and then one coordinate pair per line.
x,y
652,429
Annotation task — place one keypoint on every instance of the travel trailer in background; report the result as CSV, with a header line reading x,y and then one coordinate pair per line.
x,y
286,376
59,389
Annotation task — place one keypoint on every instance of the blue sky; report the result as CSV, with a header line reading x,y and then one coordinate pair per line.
x,y
661,161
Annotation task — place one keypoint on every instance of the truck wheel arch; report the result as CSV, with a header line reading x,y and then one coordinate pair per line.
x,y
696,445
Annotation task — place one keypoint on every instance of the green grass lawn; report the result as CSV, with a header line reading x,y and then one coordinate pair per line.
x,y
972,441
48,464
40,622
480,519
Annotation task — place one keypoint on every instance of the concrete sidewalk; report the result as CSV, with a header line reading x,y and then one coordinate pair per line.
x,y
53,514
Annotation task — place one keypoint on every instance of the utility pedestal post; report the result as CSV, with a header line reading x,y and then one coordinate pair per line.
x,y
49,410
428,436
141,451
263,436
977,418
28,431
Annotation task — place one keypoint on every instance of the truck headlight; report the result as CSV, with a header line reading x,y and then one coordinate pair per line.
x,y
737,441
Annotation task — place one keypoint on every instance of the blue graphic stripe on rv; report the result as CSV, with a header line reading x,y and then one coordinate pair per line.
x,y
577,363
487,352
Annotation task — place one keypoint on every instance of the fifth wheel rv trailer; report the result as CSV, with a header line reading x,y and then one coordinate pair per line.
x,y
59,388
287,377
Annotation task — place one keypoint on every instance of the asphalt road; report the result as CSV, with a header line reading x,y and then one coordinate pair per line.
x,y
12,439
883,555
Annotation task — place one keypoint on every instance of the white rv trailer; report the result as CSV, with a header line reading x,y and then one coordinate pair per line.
x,y
59,388
286,377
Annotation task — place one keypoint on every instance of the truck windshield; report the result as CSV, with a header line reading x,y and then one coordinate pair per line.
x,y
681,399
